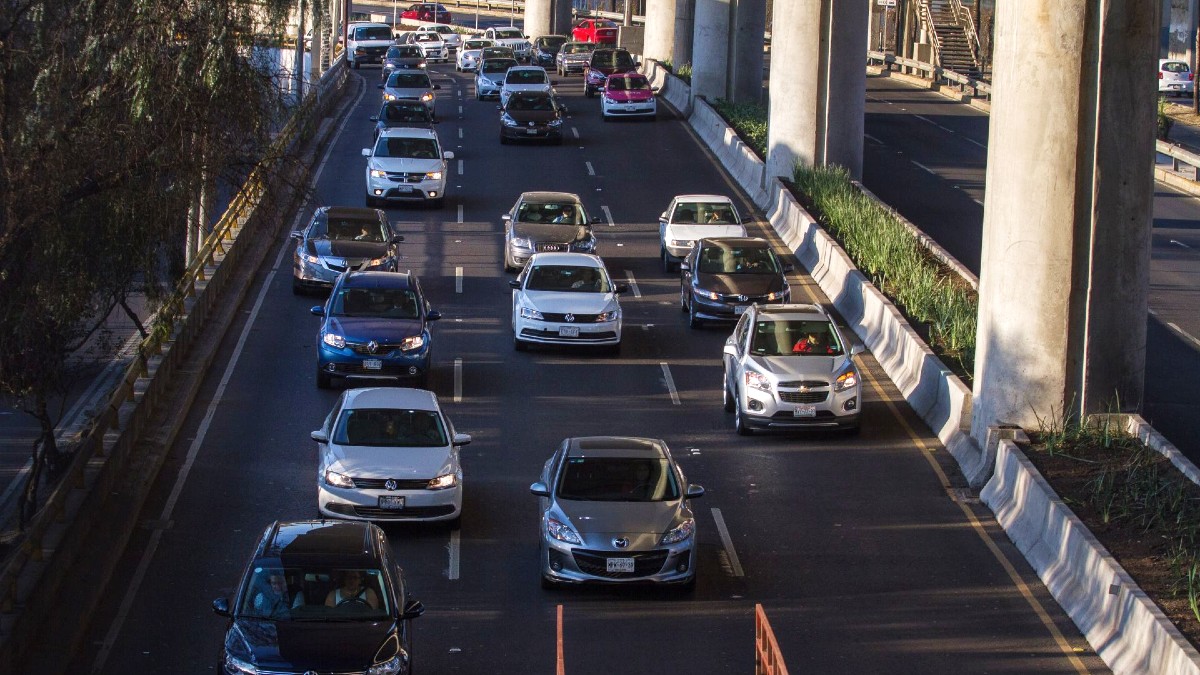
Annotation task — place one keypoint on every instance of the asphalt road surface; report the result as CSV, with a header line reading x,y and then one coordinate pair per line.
x,y
864,552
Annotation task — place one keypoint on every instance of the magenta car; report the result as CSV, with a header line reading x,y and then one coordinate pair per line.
x,y
627,95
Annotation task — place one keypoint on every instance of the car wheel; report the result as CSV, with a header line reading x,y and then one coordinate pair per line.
x,y
587,91
503,139
739,421
605,118
667,265
519,345
727,396
372,203
438,203
324,380
683,304
693,320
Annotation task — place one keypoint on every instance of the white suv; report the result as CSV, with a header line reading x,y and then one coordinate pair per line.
x,y
368,43
406,165
693,217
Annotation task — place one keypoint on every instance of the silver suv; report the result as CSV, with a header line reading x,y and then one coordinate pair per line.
x,y
789,366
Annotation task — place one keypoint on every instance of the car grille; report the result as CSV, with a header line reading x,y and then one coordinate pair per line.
x,y
374,52
575,318
793,384
553,335
405,177
342,268
376,513
378,484
803,396
645,564
551,248
388,370
364,350
788,417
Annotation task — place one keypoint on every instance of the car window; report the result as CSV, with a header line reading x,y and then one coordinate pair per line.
x,y
1174,67
568,279
383,303
405,113
708,212
606,24
508,33
477,44
531,212
782,337
578,48
612,59
299,593
390,428
617,479
412,148
427,37
408,80
373,33
628,83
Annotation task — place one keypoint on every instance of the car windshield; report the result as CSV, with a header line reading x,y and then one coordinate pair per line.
x,y
373,33
403,80
521,76
383,303
780,337
530,102
628,83
427,37
404,52
314,593
552,43
718,258
498,65
567,279
578,48
345,229
405,113
617,479
508,33
441,29
411,148
704,212
532,212
390,428
610,59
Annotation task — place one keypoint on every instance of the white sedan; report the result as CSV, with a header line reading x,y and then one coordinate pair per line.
x,y
388,453
468,56
566,298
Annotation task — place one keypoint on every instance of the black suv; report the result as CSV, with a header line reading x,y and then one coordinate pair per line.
x,y
319,596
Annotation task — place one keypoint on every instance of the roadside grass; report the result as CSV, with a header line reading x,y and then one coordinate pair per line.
x,y
749,120
683,72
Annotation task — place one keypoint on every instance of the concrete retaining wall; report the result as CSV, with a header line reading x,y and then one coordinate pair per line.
x,y
1127,630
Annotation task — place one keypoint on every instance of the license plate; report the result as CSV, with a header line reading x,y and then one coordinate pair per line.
x,y
372,364
805,411
1177,86
568,331
739,309
403,188
620,564
391,503
531,132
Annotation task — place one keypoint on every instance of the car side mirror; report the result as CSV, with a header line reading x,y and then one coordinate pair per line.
x,y
857,348
437,86
220,607
663,217
694,491
449,154
514,283
461,440
412,609
366,152
317,310
433,315
789,268
621,288
595,219
507,216
730,347
499,107
319,436
374,118
539,489
297,235
398,239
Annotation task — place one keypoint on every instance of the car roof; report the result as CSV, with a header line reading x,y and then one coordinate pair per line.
x,y
794,311
368,23
310,542
616,446
550,197
350,213
378,280
527,68
703,198
390,397
408,132
736,241
574,259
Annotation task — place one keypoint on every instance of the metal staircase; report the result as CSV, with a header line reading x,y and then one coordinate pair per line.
x,y
952,32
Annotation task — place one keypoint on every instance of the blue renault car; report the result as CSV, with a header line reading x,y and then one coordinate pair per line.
x,y
375,327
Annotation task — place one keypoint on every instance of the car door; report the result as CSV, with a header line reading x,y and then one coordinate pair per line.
x,y
686,273
736,346
663,221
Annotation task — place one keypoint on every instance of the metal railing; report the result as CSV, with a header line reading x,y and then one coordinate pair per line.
x,y
768,660
964,18
978,88
927,22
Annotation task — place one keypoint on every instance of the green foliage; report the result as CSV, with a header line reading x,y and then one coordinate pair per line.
x,y
749,120
1164,120
887,252
684,73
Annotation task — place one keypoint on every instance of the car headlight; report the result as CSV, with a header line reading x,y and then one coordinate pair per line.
x,y
389,667
610,315
421,65
338,480
308,258
531,313
562,532
334,340
389,97
442,482
413,342
427,97
846,380
757,381
522,242
711,295
685,243
433,175
680,532
236,665
554,123
378,173
609,100
779,295
508,121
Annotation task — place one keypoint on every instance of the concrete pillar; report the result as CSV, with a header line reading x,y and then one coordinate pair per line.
x,y
335,27
562,20
685,15
817,103
314,51
746,55
1066,227
660,30
537,18
710,49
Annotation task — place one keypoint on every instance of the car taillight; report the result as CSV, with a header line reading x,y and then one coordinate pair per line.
x,y
1160,74
1191,76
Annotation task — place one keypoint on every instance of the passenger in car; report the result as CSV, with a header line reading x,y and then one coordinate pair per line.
x,y
352,591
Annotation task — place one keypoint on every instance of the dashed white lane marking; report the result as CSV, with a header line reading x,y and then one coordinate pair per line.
x,y
923,167
460,213
1184,333
458,380
670,382
978,201
458,274
637,292
591,171
460,167
1180,243
871,138
735,565
460,132
452,572
974,142
575,132
608,215
460,110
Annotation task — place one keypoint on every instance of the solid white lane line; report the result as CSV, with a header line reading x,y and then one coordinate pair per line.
x,y
458,380
591,171
923,167
978,201
608,215
452,572
735,565
460,167
637,293
1184,333
1180,243
460,213
871,138
139,575
670,382
458,274
974,142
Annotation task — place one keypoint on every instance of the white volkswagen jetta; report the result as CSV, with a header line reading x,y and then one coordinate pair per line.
x,y
388,453
566,298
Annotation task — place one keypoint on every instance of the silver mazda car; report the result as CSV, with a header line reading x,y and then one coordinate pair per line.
x,y
616,510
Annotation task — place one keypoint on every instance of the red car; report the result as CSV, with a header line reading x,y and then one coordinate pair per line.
x,y
426,11
600,31
605,61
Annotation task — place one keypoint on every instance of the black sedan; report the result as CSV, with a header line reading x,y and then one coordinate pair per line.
x,y
721,277
319,596
402,57
545,49
532,116
403,113
341,238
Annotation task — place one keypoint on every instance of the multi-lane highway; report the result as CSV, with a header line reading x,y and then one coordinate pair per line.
x,y
866,555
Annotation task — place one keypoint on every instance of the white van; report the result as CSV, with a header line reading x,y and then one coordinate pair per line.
x,y
368,43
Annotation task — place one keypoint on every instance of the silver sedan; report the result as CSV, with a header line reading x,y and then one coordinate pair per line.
x,y
615,510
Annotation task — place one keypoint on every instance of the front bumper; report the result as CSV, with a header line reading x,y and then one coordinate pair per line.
x,y
574,66
393,191
539,132
518,256
487,89
639,109
576,564
419,505
395,366
567,333
729,310
766,410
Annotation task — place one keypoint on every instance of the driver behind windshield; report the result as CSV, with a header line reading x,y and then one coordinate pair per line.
x,y
350,590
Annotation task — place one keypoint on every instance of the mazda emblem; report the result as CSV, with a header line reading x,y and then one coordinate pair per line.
x,y
620,542
569,318
372,346
390,484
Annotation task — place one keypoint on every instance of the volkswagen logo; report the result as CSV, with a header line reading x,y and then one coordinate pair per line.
x,y
739,298
372,346
620,542
569,318
390,484
531,124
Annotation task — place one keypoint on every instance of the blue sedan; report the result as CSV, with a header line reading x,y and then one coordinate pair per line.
x,y
375,327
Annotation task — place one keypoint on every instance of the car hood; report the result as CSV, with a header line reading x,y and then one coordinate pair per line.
x,y
407,92
403,463
631,95
375,43
508,42
341,248
800,367
365,329
559,302
406,62
325,646
699,231
407,164
740,284
552,232
609,70
608,519
532,115
540,86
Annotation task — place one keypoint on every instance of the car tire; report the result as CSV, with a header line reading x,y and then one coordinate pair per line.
x,y
324,380
727,399
739,421
519,345
587,91
683,305
438,203
667,265
372,203
693,320
354,65
503,139
605,118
